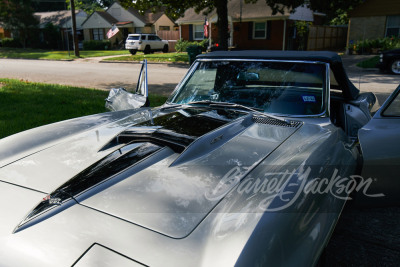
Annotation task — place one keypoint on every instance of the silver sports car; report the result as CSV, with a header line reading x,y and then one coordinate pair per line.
x,y
249,163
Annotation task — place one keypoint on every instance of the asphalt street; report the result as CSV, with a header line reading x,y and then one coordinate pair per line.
x,y
90,73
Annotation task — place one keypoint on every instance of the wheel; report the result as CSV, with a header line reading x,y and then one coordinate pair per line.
x,y
395,66
165,49
133,51
147,50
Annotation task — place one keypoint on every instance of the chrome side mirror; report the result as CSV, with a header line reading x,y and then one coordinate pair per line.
x,y
120,99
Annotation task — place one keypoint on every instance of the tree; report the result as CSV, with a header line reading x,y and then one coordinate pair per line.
x,y
176,8
89,6
17,16
332,9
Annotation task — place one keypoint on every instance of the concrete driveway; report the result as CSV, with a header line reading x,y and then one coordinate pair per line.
x,y
370,80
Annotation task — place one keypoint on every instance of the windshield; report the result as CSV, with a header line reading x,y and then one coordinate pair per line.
x,y
284,88
135,37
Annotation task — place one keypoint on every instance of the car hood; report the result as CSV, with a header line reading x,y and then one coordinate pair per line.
x,y
159,170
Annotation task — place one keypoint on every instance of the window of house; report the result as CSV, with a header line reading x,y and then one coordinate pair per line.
x,y
198,32
164,28
98,34
393,26
260,30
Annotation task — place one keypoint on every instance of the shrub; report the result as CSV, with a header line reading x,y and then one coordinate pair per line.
x,y
368,46
97,45
11,42
182,45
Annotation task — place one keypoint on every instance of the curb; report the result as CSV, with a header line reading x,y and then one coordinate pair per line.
x,y
140,62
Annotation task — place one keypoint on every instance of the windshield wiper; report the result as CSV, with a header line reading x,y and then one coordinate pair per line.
x,y
237,106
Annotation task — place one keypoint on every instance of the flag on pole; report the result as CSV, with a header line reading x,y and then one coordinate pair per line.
x,y
205,28
113,31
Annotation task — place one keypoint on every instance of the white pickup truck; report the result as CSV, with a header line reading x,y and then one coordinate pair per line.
x,y
147,43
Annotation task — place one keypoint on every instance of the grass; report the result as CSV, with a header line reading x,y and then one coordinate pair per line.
x,y
25,105
157,57
54,55
369,63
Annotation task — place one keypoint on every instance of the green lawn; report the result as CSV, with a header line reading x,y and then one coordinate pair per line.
x,y
369,63
26,105
156,57
54,55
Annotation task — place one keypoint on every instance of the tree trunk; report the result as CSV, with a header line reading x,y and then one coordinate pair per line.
x,y
74,35
222,12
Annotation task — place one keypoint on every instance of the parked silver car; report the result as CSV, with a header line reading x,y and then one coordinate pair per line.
x,y
147,43
248,163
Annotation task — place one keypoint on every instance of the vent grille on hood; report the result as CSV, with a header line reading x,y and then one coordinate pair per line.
x,y
276,122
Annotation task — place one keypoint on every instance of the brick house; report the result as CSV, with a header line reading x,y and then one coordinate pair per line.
x,y
374,19
251,26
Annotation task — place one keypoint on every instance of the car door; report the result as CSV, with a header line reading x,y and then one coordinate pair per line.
x,y
380,146
159,42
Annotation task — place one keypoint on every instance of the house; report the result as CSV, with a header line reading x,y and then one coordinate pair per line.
x,y
127,20
374,19
250,26
63,21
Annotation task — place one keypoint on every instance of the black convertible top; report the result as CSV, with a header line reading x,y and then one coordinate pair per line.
x,y
349,90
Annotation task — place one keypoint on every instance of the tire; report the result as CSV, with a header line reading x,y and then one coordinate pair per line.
x,y
133,51
394,66
147,50
165,49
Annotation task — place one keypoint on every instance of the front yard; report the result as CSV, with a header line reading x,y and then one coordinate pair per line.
x,y
121,55
25,105
156,57
55,55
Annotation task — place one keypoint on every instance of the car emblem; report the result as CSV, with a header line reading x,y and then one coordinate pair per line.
x,y
216,139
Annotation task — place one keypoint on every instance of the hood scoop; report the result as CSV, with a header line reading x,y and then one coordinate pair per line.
x,y
176,130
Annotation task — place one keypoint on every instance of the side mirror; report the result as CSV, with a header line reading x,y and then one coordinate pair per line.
x,y
120,99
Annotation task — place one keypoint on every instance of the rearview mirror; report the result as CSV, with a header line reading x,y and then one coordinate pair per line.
x,y
248,76
120,99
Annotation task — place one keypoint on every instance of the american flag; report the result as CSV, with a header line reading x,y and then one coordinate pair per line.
x,y
113,31
205,28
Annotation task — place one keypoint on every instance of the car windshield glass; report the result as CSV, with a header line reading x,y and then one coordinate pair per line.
x,y
283,88
133,37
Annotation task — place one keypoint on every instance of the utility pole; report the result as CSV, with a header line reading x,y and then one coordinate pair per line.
x,y
74,35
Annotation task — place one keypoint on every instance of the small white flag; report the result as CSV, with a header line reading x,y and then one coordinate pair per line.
x,y
113,31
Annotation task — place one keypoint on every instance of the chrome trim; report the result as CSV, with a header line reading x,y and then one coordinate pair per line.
x,y
328,88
